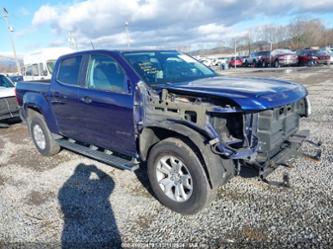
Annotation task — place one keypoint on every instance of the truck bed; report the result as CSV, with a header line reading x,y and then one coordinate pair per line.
x,y
32,87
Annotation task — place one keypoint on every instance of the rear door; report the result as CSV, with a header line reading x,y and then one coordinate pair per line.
x,y
106,105
64,96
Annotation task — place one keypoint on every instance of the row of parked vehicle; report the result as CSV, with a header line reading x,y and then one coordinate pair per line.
x,y
276,58
286,57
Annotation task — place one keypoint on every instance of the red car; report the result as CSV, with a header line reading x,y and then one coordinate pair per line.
x,y
236,62
279,57
311,57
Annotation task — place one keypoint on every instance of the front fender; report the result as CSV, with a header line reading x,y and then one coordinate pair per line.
x,y
218,170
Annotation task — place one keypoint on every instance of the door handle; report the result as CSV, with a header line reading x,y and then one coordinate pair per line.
x,y
58,95
86,99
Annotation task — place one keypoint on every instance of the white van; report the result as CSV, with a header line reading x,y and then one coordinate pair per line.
x,y
38,65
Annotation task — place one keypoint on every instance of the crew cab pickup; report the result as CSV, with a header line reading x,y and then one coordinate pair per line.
x,y
194,128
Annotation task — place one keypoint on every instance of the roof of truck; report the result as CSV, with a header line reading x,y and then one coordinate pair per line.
x,y
121,51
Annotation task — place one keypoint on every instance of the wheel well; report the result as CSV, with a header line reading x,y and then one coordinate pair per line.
x,y
151,136
32,109
30,113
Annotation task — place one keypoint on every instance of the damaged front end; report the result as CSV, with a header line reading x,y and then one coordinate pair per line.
x,y
263,139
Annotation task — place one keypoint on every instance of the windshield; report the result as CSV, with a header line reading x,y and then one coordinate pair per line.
x,y
50,65
320,53
263,53
167,67
5,82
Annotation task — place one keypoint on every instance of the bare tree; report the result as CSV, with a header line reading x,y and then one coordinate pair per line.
x,y
306,33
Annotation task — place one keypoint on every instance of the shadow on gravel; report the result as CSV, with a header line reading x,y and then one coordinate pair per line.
x,y
249,172
142,176
88,217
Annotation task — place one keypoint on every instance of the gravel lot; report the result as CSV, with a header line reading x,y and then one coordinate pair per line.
x,y
69,199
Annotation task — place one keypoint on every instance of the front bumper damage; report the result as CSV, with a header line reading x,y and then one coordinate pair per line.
x,y
271,139
289,149
263,139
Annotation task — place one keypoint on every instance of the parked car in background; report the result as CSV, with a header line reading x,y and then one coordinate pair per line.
x,y
208,62
193,128
223,60
16,78
245,60
8,105
38,65
255,58
312,57
236,62
329,51
279,57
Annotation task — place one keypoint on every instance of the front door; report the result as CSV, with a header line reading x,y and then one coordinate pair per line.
x,y
106,106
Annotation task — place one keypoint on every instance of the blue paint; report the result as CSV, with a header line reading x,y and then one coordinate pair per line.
x,y
250,94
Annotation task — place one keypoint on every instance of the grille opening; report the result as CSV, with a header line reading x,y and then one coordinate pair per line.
x,y
230,127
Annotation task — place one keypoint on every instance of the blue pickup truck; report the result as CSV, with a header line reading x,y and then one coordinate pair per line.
x,y
194,128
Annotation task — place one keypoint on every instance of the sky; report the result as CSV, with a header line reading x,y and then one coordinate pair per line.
x,y
151,23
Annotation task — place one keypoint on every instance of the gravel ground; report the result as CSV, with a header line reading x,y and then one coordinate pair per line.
x,y
68,198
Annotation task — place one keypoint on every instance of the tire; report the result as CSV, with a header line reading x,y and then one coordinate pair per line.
x,y
276,64
260,64
173,149
41,135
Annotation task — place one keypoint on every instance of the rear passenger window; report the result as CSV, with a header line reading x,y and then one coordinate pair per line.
x,y
69,70
104,73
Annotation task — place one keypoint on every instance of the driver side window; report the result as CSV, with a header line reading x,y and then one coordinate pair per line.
x,y
104,73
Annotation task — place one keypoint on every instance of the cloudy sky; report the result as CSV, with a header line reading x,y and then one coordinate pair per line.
x,y
151,23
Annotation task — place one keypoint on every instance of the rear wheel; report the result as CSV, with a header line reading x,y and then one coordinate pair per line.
x,y
41,135
177,177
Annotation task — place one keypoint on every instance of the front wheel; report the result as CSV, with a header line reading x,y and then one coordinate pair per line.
x,y
177,177
41,135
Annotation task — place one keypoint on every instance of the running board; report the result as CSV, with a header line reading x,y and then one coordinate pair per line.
x,y
104,157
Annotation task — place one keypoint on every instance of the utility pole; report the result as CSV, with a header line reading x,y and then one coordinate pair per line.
x,y
72,41
270,54
127,34
10,29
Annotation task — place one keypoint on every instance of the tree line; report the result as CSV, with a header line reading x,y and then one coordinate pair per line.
x,y
298,34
